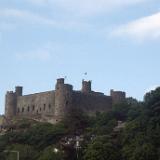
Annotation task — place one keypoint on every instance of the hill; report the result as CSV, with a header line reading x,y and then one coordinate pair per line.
x,y
131,131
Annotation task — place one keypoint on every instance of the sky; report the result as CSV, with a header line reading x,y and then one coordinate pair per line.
x,y
117,42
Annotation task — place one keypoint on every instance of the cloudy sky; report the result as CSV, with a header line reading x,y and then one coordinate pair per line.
x,y
117,42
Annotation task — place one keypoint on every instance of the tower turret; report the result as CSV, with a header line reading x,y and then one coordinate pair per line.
x,y
60,82
86,86
19,90
10,104
118,96
63,99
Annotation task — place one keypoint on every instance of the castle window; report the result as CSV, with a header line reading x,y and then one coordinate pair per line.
x,y
18,110
44,107
22,110
67,103
28,108
49,106
40,109
33,107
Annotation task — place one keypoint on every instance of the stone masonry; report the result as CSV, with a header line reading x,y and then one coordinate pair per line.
x,y
52,106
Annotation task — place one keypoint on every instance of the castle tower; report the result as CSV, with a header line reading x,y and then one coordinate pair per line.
x,y
63,99
118,96
86,86
10,104
19,90
60,82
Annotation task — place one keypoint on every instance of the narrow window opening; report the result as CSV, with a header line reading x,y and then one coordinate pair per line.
x,y
33,107
44,107
67,102
49,106
28,109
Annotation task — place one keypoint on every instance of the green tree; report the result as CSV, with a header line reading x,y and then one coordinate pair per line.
x,y
26,152
40,135
145,151
76,120
120,111
152,97
102,148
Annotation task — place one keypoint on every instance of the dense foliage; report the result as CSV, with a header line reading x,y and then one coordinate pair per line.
x,y
138,139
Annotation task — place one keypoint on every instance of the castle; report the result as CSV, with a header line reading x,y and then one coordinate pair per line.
x,y
52,106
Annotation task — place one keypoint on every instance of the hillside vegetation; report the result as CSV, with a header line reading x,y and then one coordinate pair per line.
x,y
80,137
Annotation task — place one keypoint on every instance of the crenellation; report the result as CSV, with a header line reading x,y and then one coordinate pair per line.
x,y
19,90
86,86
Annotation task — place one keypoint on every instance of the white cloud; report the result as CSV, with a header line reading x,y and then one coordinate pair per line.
x,y
16,17
26,16
38,2
42,54
87,7
140,29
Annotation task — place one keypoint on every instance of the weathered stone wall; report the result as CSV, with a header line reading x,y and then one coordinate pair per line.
x,y
86,86
10,104
45,103
54,105
118,96
92,103
63,100
36,104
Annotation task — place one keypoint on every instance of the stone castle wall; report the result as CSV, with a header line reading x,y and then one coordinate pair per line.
x,y
92,103
56,104
63,100
117,96
10,104
35,104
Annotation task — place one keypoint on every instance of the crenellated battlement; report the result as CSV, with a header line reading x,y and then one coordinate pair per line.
x,y
10,92
19,90
86,86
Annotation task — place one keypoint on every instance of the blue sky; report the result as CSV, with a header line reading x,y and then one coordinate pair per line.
x,y
117,42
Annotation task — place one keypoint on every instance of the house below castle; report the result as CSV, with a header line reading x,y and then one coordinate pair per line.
x,y
52,106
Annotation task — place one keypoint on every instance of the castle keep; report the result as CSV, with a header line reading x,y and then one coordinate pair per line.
x,y
52,106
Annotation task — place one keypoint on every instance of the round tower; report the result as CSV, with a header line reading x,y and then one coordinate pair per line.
x,y
10,104
118,96
63,99
19,90
86,86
